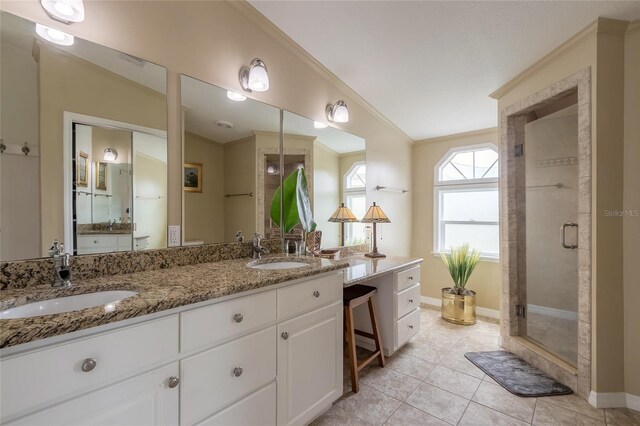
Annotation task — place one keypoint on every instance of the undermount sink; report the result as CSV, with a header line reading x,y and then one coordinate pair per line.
x,y
277,265
108,299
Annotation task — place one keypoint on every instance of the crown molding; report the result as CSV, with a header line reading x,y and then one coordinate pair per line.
x,y
244,7
474,133
633,27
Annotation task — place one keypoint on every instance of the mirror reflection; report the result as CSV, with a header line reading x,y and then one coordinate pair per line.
x,y
335,166
231,164
83,156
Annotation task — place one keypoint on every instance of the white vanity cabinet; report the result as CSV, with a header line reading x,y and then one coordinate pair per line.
x,y
271,357
397,306
103,243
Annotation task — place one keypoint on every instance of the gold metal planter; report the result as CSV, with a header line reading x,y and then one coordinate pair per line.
x,y
459,309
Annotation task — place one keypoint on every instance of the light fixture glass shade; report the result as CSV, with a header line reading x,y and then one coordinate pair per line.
x,y
375,215
54,36
338,112
255,77
67,11
110,154
343,215
319,125
236,96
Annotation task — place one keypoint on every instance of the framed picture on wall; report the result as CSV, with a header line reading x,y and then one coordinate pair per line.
x,y
193,177
82,171
101,176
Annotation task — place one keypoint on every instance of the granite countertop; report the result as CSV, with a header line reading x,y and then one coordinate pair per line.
x,y
158,290
362,268
106,232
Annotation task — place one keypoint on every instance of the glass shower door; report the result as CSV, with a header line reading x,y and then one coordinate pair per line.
x,y
551,179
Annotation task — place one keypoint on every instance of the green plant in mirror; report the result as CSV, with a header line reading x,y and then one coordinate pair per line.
x,y
461,262
296,203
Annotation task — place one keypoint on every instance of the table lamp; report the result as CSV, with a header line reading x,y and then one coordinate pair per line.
x,y
375,215
342,215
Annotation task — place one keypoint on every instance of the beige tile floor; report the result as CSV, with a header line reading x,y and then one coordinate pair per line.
x,y
429,382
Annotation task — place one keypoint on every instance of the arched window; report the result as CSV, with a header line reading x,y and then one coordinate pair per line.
x,y
466,200
355,198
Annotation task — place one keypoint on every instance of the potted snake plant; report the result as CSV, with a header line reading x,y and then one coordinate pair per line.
x,y
458,302
296,204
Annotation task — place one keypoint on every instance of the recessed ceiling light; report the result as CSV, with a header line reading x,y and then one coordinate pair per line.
x,y
236,96
54,36
67,11
319,125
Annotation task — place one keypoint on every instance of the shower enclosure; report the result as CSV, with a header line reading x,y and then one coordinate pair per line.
x,y
550,159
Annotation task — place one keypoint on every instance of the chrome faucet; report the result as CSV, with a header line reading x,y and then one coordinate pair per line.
x,y
62,273
256,246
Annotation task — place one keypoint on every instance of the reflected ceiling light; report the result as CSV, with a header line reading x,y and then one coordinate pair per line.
x,y
272,169
67,11
319,125
110,154
54,36
255,77
338,112
236,96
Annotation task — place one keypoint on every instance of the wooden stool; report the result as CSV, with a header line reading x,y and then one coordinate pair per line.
x,y
357,295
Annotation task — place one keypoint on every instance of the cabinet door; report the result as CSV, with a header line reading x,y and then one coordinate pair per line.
x,y
309,364
146,399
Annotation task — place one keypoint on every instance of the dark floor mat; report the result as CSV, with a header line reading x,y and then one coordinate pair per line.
x,y
516,375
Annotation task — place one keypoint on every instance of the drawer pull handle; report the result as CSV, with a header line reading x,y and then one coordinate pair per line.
x,y
88,364
238,317
410,300
284,335
173,382
237,371
411,277
410,327
316,293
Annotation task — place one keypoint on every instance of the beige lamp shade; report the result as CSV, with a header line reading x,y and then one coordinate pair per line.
x,y
342,215
375,215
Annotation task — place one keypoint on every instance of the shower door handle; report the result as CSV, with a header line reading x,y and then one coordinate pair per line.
x,y
563,235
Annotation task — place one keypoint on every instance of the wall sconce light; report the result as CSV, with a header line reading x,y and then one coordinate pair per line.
x,y
255,77
54,36
319,125
375,215
110,154
236,96
65,11
338,112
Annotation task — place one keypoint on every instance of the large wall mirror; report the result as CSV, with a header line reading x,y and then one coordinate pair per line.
x,y
334,163
84,147
231,151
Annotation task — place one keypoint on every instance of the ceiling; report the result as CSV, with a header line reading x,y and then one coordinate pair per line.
x,y
206,104
429,66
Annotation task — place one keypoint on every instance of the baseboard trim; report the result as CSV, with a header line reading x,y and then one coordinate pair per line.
x,y
553,312
614,400
485,312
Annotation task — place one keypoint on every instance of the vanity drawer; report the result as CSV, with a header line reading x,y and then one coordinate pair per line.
x,y
407,300
309,295
259,408
97,241
209,381
215,323
407,278
407,327
47,376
